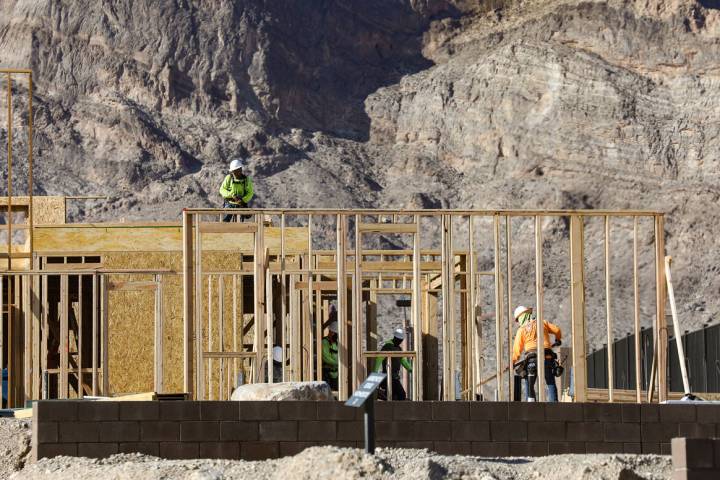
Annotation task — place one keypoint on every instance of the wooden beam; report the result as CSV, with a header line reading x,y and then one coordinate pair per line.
x,y
105,335
416,302
342,310
227,227
259,305
158,343
676,327
510,319
63,345
577,307
198,316
540,391
358,327
660,320
188,295
388,227
95,331
608,313
636,316
498,310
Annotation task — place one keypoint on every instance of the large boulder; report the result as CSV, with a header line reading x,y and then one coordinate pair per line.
x,y
283,391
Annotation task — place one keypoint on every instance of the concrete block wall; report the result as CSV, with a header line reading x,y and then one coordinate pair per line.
x,y
696,458
258,430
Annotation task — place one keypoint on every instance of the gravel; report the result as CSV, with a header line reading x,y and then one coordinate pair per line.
x,y
342,463
15,436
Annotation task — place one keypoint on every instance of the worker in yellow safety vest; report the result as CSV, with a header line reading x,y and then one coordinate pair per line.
x,y
237,188
526,343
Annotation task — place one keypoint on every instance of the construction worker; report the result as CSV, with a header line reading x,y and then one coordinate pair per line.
x,y
393,345
330,356
526,342
277,366
236,189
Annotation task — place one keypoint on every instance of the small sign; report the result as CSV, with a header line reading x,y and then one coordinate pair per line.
x,y
365,390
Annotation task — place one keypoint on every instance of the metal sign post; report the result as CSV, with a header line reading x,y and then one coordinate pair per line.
x,y
365,395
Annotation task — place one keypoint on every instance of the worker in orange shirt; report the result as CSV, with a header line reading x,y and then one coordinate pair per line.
x,y
526,342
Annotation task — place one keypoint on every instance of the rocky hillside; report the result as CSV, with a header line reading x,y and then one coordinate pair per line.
x,y
395,103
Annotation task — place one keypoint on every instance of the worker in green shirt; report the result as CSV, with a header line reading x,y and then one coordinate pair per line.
x,y
393,345
330,356
236,189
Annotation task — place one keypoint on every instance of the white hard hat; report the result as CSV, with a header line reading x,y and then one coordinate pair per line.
x,y
520,310
277,353
399,333
236,164
333,327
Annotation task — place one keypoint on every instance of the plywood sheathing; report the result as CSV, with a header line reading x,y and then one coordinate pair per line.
x,y
166,237
131,319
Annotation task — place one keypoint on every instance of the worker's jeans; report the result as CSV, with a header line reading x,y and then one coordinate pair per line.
x,y
531,380
229,217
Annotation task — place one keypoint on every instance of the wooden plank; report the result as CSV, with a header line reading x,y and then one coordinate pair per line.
x,y
269,327
358,327
608,313
158,331
36,312
472,309
221,334
416,302
227,227
228,355
399,266
540,391
64,361
188,295
198,316
387,227
2,326
259,305
342,310
105,328
660,320
95,331
510,319
498,310
310,299
676,327
390,354
27,338
81,392
283,301
577,307
209,369
636,314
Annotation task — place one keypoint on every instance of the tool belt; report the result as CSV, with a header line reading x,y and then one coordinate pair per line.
x,y
528,366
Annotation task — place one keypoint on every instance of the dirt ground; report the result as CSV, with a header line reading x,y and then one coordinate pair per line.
x,y
15,436
323,463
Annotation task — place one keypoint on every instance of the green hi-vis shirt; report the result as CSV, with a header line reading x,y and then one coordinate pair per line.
x,y
242,188
330,357
381,363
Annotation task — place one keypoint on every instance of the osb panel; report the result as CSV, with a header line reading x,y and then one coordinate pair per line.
x,y
99,238
131,318
48,210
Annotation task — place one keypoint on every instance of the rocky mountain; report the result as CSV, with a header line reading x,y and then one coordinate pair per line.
x,y
395,103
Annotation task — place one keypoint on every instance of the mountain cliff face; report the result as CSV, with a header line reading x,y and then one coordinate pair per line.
x,y
394,103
